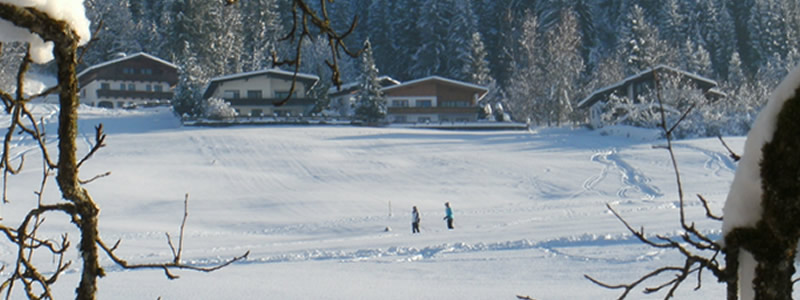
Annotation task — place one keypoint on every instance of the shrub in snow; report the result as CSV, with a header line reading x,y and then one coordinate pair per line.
x,y
218,109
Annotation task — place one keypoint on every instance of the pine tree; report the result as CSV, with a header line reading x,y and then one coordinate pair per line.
x,y
477,67
696,58
261,31
524,90
641,43
565,66
370,103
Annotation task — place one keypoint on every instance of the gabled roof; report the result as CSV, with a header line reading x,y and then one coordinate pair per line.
x,y
441,79
127,57
274,72
596,95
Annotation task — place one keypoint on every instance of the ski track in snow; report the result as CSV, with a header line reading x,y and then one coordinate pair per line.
x,y
632,178
563,247
717,162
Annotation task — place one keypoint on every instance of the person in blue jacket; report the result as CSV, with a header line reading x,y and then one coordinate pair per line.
x,y
448,215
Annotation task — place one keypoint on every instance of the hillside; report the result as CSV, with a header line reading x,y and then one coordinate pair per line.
x,y
311,204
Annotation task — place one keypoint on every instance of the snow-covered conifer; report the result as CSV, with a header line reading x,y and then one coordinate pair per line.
x,y
370,103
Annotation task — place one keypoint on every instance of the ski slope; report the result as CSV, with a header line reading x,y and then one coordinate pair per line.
x,y
311,204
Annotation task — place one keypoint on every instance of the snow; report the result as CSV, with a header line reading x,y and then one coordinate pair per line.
x,y
311,204
71,11
743,205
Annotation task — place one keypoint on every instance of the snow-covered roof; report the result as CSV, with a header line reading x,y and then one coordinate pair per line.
x,y
594,96
439,78
261,72
353,85
273,71
113,61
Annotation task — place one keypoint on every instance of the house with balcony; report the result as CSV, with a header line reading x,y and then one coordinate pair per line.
x,y
343,98
433,99
128,81
641,84
256,93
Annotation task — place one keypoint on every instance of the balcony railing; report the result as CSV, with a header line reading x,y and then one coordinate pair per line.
x,y
269,101
433,110
133,94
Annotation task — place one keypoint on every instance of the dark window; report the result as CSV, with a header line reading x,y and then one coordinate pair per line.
x,y
147,71
256,113
253,94
121,86
128,71
283,95
148,88
399,103
424,103
158,88
105,86
455,104
230,94
131,87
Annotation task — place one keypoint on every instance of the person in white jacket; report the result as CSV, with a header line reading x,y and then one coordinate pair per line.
x,y
414,220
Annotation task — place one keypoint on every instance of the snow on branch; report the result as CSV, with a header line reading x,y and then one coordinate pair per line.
x,y
70,11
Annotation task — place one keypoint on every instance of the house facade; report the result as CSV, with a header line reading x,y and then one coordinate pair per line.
x,y
343,98
642,83
433,99
256,93
128,81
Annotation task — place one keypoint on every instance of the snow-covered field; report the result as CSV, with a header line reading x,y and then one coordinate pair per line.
x,y
311,204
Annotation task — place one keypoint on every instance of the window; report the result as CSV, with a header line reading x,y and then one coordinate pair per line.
x,y
128,71
400,119
399,103
121,86
230,94
256,113
157,87
424,119
254,94
147,71
105,86
283,95
455,104
148,88
131,87
424,103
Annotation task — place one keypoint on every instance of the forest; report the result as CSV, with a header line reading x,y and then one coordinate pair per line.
x,y
539,58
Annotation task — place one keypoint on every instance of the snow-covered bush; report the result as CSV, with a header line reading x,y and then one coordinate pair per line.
x,y
218,109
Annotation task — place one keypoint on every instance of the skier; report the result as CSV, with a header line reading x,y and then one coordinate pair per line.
x,y
448,215
414,220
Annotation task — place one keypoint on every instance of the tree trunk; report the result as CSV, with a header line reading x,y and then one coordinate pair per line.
x,y
773,242
65,53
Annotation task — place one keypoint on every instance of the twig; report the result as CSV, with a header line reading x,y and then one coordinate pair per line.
x,y
733,155
99,142
708,210
96,177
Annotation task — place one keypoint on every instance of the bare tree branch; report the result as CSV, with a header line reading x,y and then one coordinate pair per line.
x,y
733,155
